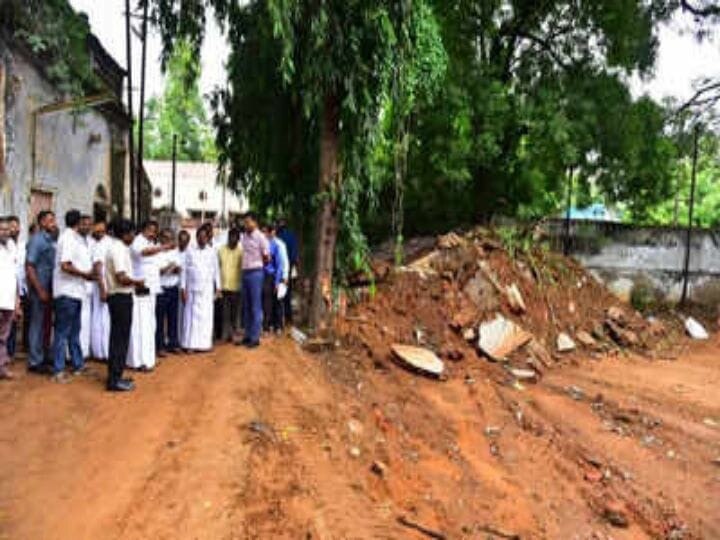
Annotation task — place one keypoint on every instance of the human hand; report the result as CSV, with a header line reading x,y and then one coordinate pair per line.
x,y
44,296
183,296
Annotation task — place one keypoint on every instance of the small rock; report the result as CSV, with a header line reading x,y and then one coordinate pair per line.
x,y
586,339
695,330
355,427
617,315
469,334
710,422
571,308
716,461
575,392
379,468
624,338
565,343
528,375
615,513
492,431
355,452
593,475
670,454
515,299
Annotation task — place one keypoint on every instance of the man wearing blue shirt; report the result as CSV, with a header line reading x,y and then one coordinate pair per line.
x,y
39,267
276,274
293,253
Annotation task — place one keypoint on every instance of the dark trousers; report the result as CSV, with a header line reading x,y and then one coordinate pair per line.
x,y
229,310
166,316
6,319
36,316
22,326
287,302
252,285
272,307
121,308
67,333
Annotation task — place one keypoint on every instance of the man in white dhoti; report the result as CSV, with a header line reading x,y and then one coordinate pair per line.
x,y
200,286
183,244
100,334
86,265
144,251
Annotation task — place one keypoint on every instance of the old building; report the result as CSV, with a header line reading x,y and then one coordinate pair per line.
x,y
198,195
59,151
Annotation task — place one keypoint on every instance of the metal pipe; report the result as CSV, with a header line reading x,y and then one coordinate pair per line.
x,y
174,171
131,135
141,112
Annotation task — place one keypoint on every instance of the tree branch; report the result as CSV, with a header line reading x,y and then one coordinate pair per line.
x,y
696,100
711,10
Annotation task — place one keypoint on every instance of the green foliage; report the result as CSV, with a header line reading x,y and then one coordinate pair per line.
x,y
179,111
57,36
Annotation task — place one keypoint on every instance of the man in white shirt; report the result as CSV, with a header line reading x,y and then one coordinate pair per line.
x,y
200,286
146,266
14,225
86,265
120,286
166,310
100,336
9,297
69,291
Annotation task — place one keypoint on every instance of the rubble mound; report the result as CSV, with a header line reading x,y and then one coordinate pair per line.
x,y
509,300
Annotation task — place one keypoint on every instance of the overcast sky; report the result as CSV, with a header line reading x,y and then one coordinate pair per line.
x,y
682,60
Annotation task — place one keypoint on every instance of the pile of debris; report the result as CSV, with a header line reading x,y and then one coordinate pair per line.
x,y
473,294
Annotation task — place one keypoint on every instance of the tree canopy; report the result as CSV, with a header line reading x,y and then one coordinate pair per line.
x,y
179,111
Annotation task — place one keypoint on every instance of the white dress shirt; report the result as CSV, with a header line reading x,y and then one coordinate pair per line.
x,y
71,248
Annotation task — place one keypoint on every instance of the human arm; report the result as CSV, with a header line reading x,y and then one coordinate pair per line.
x,y
98,269
34,253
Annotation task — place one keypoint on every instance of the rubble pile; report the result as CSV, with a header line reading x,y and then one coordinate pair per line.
x,y
472,294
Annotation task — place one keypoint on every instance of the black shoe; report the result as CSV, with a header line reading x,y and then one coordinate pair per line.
x,y
123,385
41,369
245,342
252,344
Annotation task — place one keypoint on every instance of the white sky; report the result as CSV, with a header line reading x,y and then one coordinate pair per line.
x,y
682,60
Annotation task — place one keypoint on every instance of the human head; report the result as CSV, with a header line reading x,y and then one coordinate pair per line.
x,y
281,223
183,240
250,221
166,236
149,229
99,230
14,224
233,238
4,230
85,225
209,230
46,221
124,230
72,219
201,237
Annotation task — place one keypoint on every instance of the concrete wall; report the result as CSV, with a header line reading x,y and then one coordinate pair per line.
x,y
73,149
624,255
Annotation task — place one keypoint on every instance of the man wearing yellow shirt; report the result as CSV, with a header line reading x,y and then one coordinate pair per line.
x,y
230,258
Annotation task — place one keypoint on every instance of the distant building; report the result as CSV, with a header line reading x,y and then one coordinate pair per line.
x,y
594,212
198,196
57,151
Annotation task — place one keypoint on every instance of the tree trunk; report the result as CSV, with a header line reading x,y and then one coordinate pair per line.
x,y
327,219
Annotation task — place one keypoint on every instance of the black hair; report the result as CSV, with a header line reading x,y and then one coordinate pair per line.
x,y
85,216
13,218
234,232
183,232
121,227
42,214
252,215
149,223
72,218
200,229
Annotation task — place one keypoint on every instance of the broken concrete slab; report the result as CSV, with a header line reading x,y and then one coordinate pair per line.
x,y
538,350
419,358
481,292
500,337
617,315
565,343
695,330
585,339
527,375
624,338
515,298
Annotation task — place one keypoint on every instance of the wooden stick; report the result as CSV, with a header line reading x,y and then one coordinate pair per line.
x,y
402,520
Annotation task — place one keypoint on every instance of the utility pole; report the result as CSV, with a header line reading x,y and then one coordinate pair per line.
x,y
566,239
131,136
686,268
174,169
141,126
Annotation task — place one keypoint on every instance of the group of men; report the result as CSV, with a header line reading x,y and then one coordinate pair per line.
x,y
131,296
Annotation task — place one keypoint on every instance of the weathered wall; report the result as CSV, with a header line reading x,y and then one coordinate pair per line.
x,y
74,149
623,255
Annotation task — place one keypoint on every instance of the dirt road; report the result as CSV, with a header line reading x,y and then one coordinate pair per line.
x,y
275,443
